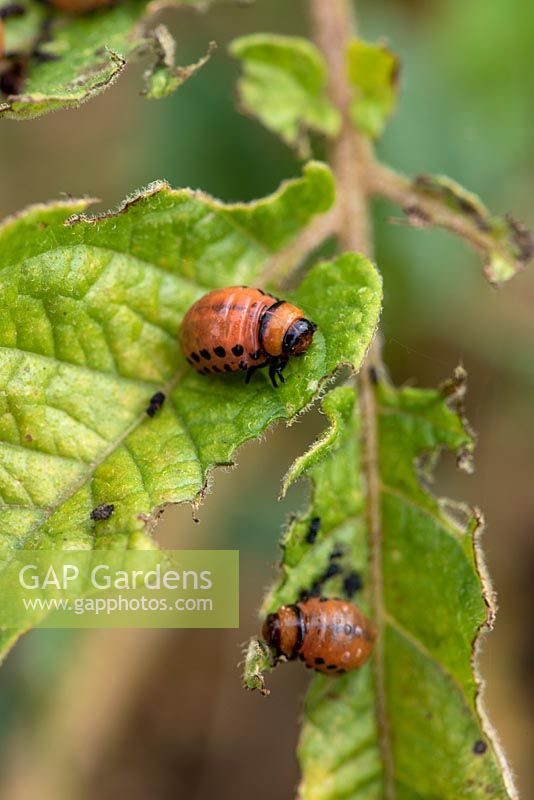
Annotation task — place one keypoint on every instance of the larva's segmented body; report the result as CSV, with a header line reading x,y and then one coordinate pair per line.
x,y
331,636
239,328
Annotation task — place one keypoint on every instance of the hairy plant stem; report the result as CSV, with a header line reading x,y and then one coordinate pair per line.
x,y
349,221
350,153
423,210
351,157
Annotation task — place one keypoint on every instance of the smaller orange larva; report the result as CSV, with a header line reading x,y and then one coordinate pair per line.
x,y
243,328
331,636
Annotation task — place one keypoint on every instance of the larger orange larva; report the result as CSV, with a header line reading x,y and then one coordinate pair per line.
x,y
330,636
242,328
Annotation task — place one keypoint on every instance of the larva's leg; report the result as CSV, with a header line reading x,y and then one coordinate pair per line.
x,y
272,374
280,368
250,373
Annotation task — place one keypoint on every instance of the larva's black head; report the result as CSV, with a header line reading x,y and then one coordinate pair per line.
x,y
271,631
298,337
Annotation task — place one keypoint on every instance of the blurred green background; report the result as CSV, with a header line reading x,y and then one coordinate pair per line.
x,y
161,714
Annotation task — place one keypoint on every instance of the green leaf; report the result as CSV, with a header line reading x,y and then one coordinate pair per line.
x,y
86,54
89,314
164,77
511,245
409,724
373,72
284,85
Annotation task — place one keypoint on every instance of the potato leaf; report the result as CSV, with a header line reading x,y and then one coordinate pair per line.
x,y
89,314
65,59
284,85
373,72
409,724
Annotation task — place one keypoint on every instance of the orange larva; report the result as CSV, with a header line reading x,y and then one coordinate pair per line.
x,y
330,636
239,328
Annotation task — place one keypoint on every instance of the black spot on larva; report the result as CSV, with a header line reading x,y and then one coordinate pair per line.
x,y
256,355
479,747
156,402
319,660
308,666
219,351
331,666
313,530
341,671
189,360
195,357
348,629
332,569
237,350
337,552
352,584
205,354
103,511
215,368
228,368
323,599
